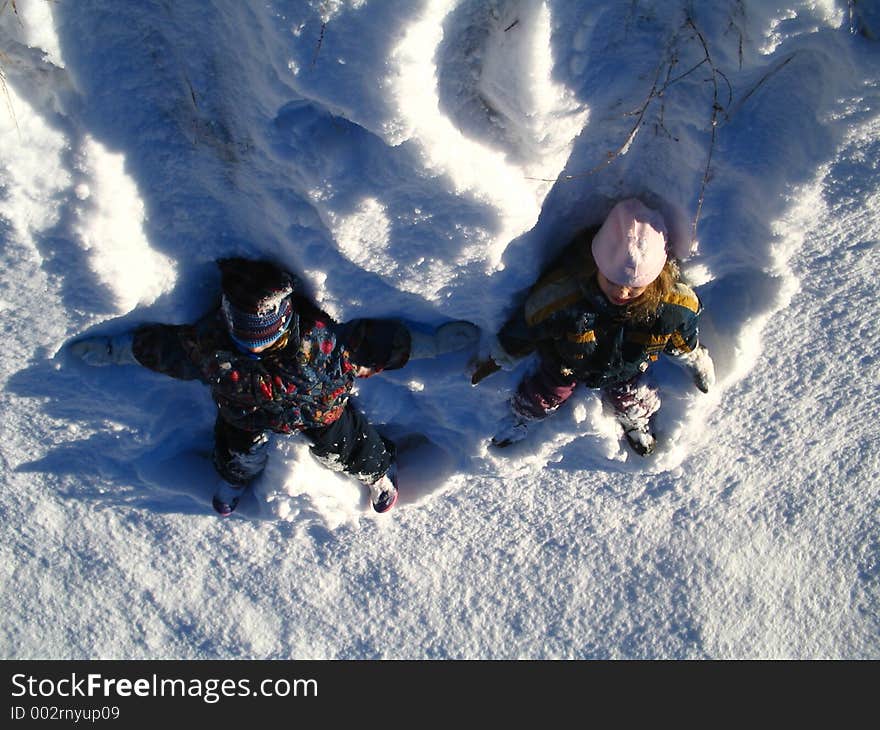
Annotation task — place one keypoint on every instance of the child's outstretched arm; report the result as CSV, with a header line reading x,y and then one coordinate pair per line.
x,y
685,348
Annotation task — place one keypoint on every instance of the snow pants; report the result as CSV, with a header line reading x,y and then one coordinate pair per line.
x,y
633,401
350,444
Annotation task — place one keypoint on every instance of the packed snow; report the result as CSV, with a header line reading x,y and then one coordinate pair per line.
x,y
425,160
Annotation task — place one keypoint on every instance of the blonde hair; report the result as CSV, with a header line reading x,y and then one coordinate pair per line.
x,y
644,308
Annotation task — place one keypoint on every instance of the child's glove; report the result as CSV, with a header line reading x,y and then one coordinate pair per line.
x,y
101,350
701,367
483,369
497,359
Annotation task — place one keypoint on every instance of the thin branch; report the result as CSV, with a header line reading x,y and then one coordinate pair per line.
x,y
6,95
715,70
7,3
661,122
320,41
738,12
716,108
761,82
192,91
686,73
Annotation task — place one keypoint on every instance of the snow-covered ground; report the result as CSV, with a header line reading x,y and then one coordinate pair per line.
x,y
425,159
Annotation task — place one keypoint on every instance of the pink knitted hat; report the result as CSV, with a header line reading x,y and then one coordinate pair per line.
x,y
630,247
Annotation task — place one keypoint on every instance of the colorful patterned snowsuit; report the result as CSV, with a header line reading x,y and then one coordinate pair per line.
x,y
302,385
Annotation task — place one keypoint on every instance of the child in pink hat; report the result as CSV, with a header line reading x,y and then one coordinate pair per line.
x,y
602,322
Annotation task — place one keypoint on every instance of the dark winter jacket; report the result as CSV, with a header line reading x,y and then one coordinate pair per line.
x,y
302,383
571,323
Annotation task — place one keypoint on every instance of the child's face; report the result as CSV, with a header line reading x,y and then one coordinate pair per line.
x,y
618,294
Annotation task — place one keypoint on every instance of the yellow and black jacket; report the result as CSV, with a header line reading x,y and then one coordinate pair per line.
x,y
568,320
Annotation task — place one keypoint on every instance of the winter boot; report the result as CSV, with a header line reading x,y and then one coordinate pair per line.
x,y
634,404
383,492
512,429
641,440
227,497
102,350
447,337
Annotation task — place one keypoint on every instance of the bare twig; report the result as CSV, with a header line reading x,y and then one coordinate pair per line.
x,y
716,108
686,73
8,97
661,122
760,83
739,11
8,3
512,25
192,91
4,59
716,72
320,41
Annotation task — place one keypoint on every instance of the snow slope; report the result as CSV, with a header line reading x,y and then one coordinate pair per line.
x,y
425,160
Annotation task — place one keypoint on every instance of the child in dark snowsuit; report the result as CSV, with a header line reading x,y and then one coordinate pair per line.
x,y
601,318
275,362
